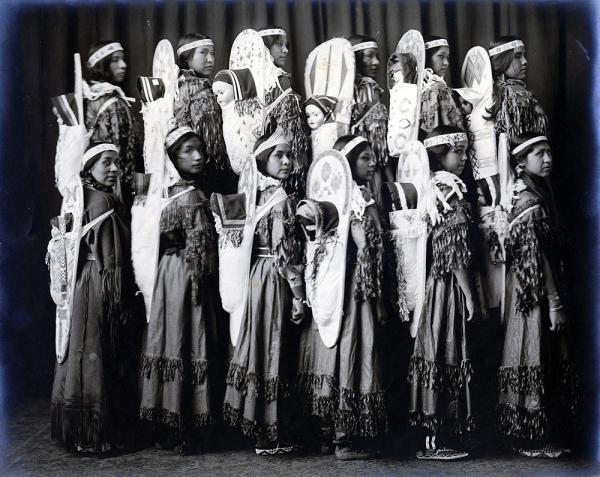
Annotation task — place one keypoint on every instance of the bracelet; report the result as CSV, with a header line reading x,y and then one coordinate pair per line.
x,y
557,308
552,297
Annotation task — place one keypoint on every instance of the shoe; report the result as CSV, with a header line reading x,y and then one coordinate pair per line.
x,y
548,451
349,453
441,454
274,449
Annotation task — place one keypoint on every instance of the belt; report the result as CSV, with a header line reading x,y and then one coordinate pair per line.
x,y
262,252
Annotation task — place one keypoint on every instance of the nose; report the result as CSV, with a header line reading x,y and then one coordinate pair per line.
x,y
524,60
284,49
196,156
114,167
547,158
285,160
210,59
375,61
445,61
122,64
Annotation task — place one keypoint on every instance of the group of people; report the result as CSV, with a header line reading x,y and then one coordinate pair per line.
x,y
238,309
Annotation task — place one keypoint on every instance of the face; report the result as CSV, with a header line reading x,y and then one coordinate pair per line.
x,y
314,117
369,64
117,66
440,61
223,93
278,164
279,51
106,170
539,160
364,167
395,74
454,160
465,106
189,160
202,60
518,66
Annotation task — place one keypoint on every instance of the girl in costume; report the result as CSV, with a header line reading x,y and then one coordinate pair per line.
x,y
284,110
437,101
179,387
536,379
108,111
260,371
93,394
440,370
515,109
341,385
196,106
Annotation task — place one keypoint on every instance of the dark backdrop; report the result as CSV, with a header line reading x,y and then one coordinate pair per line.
x,y
36,58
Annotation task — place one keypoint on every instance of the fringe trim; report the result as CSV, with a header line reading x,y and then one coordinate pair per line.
x,y
261,387
519,111
450,378
451,248
374,128
434,423
395,283
521,380
231,237
166,369
235,418
88,430
368,273
307,387
289,117
519,422
175,420
438,108
246,107
321,252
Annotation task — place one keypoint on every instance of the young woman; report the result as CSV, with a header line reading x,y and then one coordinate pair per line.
x,y
440,368
93,394
369,114
537,382
437,101
179,368
341,385
262,366
515,109
109,114
197,107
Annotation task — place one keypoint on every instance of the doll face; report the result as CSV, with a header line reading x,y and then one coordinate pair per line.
x,y
117,66
314,117
369,63
189,161
279,51
278,164
518,66
440,61
223,93
202,60
539,160
364,167
465,106
454,160
106,170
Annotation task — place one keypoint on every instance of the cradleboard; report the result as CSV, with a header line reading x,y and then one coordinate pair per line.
x,y
405,97
330,71
406,201
235,256
157,109
63,248
491,172
329,180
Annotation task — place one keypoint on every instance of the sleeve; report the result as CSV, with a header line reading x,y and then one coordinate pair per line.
x,y
520,112
452,248
285,243
368,273
181,106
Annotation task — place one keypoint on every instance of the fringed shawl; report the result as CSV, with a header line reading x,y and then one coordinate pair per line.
x,y
438,107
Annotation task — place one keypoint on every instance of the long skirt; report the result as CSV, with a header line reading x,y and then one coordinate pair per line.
x,y
342,385
91,407
258,379
537,381
440,371
179,369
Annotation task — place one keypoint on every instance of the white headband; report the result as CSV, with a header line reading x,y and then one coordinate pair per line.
x,y
352,144
103,52
99,149
511,45
176,134
436,43
533,140
194,44
365,45
278,137
272,32
445,139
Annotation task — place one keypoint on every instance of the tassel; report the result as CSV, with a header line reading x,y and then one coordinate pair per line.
x,y
264,388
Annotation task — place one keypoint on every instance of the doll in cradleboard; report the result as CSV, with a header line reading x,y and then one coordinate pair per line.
x,y
320,118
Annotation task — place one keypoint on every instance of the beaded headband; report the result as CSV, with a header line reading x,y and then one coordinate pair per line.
x,y
533,140
278,137
436,43
365,45
347,149
272,32
103,52
194,44
511,45
99,149
177,134
445,139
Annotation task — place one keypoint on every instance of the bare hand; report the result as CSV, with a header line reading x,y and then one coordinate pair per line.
x,y
558,320
297,312
473,309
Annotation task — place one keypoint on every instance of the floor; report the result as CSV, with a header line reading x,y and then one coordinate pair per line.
x,y
31,452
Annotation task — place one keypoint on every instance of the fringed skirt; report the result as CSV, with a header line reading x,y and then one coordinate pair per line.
x,y
179,373
342,385
439,372
537,382
262,365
